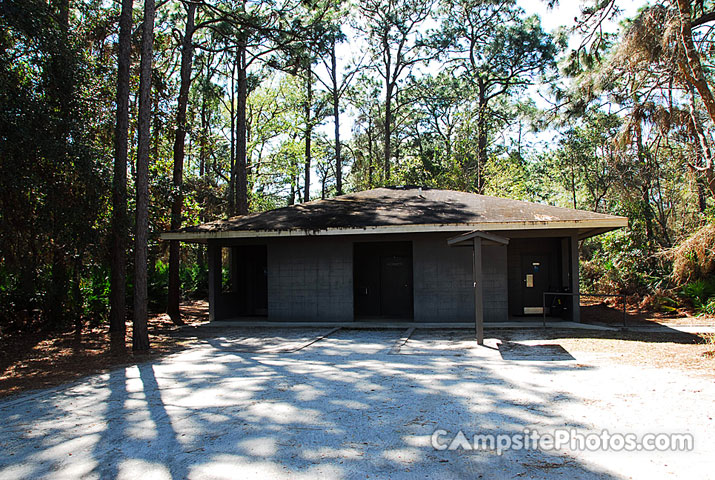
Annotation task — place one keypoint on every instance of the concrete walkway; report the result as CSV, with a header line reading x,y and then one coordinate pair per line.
x,y
315,403
401,325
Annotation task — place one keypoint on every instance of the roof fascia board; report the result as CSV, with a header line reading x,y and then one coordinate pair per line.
x,y
608,223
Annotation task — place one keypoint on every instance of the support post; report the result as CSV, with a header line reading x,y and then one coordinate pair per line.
x,y
478,297
214,266
575,299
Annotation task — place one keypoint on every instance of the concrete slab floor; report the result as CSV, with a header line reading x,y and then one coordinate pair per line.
x,y
386,324
354,404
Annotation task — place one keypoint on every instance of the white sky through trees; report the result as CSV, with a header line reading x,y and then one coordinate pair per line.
x,y
562,15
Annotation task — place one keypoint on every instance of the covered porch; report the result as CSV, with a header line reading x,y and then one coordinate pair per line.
x,y
536,265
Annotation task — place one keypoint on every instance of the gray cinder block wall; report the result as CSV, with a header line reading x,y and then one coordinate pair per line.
x,y
443,282
310,279
494,272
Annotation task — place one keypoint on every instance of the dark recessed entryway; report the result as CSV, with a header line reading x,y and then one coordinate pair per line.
x,y
251,279
382,279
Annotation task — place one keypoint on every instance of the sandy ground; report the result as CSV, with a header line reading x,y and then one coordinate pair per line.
x,y
33,358
290,403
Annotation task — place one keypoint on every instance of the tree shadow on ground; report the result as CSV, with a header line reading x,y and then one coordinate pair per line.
x,y
342,408
610,312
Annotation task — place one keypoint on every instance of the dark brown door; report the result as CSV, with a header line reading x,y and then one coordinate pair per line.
x,y
366,281
383,279
396,286
535,281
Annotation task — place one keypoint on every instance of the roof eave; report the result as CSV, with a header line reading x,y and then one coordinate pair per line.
x,y
599,225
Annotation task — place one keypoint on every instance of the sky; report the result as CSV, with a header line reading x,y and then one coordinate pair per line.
x,y
562,14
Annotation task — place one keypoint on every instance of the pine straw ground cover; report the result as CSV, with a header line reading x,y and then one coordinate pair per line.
x,y
43,359
610,312
32,360
680,351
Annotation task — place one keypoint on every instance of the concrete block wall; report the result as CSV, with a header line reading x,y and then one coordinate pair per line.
x,y
496,284
443,283
310,279
443,287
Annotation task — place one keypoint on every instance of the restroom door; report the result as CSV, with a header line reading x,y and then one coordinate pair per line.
x,y
383,280
396,285
535,281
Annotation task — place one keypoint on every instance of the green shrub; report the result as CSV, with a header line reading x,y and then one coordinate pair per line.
x,y
709,308
194,280
666,304
700,294
95,295
158,286
616,262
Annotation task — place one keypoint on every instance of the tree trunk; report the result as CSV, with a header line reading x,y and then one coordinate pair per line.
x,y
323,184
241,175
232,171
336,116
60,91
203,137
203,164
481,137
695,73
702,199
370,152
120,221
308,130
57,299
293,175
140,335
388,132
77,297
573,185
394,131
694,65
645,188
187,54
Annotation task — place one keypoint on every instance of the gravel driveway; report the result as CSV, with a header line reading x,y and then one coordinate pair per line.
x,y
301,403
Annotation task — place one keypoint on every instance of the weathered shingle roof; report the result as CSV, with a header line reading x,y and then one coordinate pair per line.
x,y
395,207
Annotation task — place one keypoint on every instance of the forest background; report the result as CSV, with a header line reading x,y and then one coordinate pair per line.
x,y
122,120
